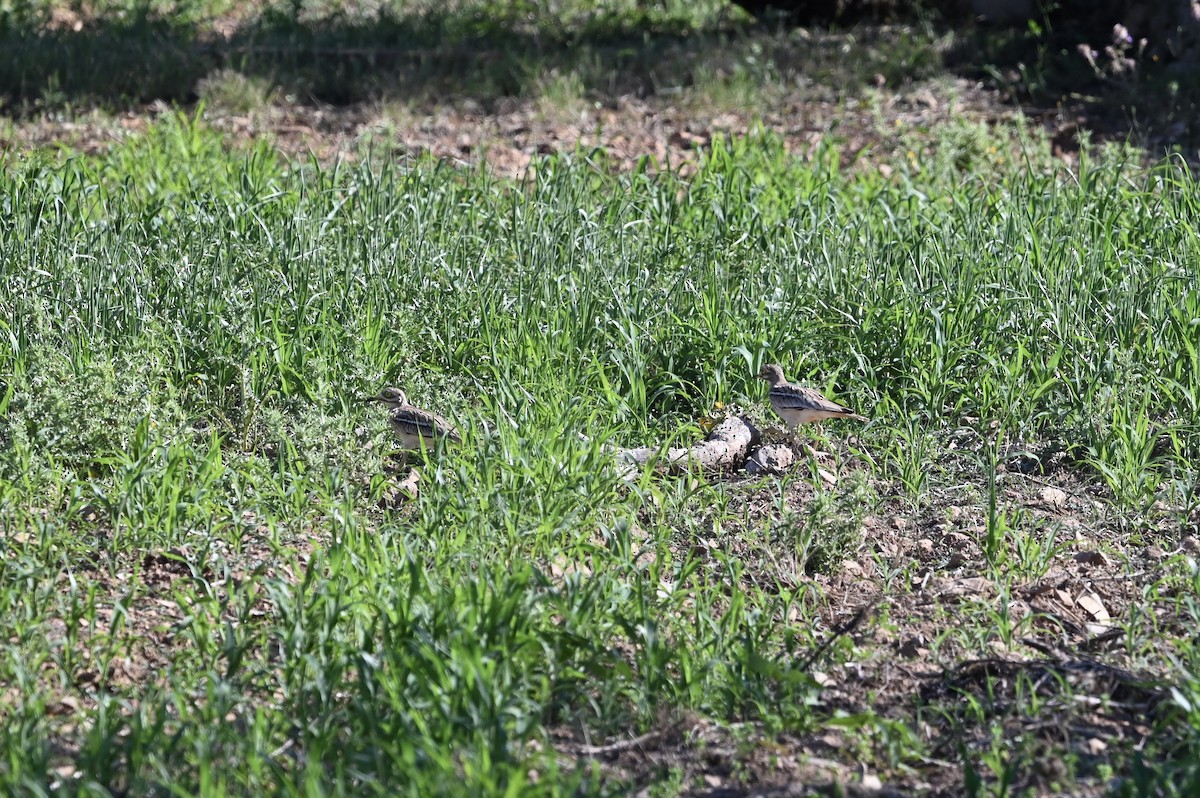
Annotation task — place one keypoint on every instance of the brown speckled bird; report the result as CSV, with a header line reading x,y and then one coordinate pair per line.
x,y
798,405
413,426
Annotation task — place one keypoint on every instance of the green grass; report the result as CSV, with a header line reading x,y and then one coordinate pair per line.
x,y
203,594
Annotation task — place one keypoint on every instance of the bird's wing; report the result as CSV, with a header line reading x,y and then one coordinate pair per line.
x,y
796,397
424,423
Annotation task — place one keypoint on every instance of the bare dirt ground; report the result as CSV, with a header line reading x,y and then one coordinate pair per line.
x,y
921,610
626,128
963,639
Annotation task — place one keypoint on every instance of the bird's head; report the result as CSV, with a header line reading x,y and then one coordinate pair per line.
x,y
390,396
772,373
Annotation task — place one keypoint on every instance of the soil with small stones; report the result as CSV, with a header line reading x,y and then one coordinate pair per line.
x,y
514,134
914,610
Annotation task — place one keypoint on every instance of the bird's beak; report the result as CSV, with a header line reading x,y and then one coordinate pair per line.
x,y
371,399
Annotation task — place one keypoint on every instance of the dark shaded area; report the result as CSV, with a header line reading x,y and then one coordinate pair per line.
x,y
469,56
1076,67
338,59
824,12
800,11
430,57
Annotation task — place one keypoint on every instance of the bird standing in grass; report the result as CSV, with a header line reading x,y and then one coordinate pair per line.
x,y
798,405
416,428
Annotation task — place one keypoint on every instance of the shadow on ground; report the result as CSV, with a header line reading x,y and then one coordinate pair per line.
x,y
1118,90
338,59
483,57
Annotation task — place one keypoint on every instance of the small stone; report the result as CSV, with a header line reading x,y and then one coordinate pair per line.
x,y
821,678
1091,558
1053,498
958,540
967,586
925,547
871,782
773,458
1094,607
66,705
65,773
1050,767
926,98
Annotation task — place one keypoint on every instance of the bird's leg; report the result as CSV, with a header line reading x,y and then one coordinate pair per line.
x,y
816,455
798,445
814,463
400,459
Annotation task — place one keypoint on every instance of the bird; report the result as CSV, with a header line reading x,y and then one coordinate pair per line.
x,y
798,405
416,428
